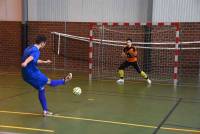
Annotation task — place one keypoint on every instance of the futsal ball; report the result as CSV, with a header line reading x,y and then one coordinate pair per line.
x,y
77,91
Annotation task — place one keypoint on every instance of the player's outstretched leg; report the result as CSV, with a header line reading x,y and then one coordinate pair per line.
x,y
121,75
144,75
121,72
54,83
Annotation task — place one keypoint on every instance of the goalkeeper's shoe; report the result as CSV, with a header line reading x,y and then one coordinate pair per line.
x,y
120,81
68,77
148,81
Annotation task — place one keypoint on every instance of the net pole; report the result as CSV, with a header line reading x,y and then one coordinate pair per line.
x,y
176,54
54,56
58,43
90,51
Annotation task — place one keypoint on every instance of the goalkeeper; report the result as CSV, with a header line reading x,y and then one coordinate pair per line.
x,y
131,53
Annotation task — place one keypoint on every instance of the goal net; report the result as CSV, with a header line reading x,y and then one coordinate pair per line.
x,y
155,46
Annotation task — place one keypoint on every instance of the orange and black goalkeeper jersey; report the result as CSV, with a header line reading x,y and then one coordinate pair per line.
x,y
131,53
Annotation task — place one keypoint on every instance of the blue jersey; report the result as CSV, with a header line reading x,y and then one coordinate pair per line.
x,y
31,74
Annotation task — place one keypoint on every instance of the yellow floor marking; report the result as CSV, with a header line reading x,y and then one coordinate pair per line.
x,y
105,121
26,128
90,99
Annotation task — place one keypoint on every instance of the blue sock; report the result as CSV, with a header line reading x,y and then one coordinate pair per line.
x,y
55,83
42,98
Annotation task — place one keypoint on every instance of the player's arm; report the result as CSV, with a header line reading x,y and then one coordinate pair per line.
x,y
123,54
28,60
43,61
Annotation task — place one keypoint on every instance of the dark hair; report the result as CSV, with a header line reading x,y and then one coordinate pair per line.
x,y
129,39
40,38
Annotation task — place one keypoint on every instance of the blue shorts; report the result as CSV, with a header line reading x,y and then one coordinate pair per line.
x,y
38,80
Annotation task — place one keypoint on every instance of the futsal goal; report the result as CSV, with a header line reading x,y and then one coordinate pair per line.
x,y
161,54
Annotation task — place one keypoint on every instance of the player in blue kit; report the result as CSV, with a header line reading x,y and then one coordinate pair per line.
x,y
33,76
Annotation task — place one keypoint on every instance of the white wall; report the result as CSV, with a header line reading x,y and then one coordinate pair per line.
x,y
88,10
176,10
10,10
102,10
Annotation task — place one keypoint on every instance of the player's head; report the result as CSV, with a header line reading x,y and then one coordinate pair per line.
x,y
41,40
128,42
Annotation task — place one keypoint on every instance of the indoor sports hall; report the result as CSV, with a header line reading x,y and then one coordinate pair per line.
x,y
99,67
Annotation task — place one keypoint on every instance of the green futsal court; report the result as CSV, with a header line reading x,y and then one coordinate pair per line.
x,y
154,45
103,107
